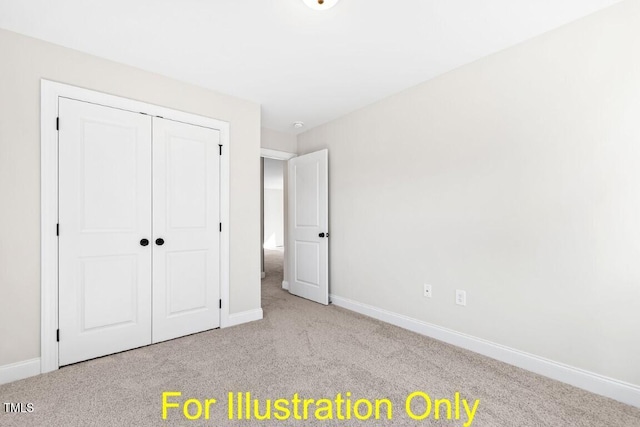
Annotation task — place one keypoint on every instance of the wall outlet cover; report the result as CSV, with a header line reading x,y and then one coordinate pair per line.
x,y
427,291
461,297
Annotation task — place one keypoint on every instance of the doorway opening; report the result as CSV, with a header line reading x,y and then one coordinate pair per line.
x,y
273,219
305,250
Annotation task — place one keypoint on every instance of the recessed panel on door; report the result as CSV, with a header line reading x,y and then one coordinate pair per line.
x,y
109,292
186,282
109,167
186,216
307,267
187,169
307,193
104,212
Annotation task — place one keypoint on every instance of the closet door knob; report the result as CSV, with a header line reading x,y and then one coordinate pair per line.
x,y
144,242
160,241
321,235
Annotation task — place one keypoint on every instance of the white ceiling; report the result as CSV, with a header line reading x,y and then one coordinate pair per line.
x,y
300,64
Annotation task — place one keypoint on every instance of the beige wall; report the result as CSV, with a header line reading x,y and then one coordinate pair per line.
x,y
273,218
275,140
274,202
24,62
515,178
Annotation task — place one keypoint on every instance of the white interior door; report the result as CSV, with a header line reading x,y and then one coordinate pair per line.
x,y
104,213
309,226
186,220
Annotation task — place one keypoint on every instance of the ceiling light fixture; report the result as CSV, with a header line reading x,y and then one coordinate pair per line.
x,y
320,4
298,125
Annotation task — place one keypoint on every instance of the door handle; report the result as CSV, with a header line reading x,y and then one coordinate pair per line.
x,y
144,242
160,241
323,235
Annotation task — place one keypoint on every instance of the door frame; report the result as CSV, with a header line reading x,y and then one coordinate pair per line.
x,y
285,156
49,93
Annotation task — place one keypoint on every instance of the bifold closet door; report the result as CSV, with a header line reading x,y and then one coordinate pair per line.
x,y
186,220
104,216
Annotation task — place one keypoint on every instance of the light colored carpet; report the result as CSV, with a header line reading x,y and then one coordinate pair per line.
x,y
316,351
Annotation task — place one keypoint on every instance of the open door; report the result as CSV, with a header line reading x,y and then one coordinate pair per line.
x,y
309,226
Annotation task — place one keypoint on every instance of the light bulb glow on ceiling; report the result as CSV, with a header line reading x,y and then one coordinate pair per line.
x,y
320,4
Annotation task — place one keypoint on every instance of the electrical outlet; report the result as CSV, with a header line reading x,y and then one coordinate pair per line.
x,y
461,297
427,291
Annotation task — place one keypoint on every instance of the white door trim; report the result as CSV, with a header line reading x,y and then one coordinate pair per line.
x,y
276,154
268,153
50,92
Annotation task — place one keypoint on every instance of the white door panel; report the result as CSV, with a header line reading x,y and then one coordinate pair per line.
x,y
105,210
309,226
186,282
108,288
308,263
186,216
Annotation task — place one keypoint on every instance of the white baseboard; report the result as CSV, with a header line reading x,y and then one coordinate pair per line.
x,y
285,285
244,317
19,370
595,383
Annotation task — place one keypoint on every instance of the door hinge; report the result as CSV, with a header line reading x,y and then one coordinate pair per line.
x,y
220,303
57,123
57,229
57,335
220,145
221,227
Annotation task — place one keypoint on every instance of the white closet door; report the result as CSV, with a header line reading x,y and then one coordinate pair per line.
x,y
186,232
105,212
